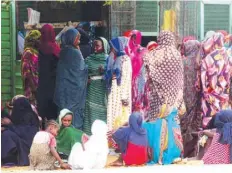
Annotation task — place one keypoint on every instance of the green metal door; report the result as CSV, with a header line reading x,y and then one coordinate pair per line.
x,y
6,56
217,17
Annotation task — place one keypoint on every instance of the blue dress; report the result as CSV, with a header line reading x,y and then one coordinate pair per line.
x,y
164,137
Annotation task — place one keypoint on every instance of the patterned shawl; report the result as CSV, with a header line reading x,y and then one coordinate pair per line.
x,y
32,41
215,75
192,119
166,74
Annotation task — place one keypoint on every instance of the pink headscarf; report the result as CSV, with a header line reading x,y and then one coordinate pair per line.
x,y
135,51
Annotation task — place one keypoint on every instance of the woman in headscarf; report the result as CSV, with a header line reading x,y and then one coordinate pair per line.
x,y
48,59
10,106
220,150
140,86
71,79
68,135
191,122
17,137
118,78
29,67
132,142
166,75
164,137
152,45
93,154
95,107
215,76
85,47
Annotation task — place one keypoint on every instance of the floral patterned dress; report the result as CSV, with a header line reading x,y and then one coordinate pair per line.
x,y
30,74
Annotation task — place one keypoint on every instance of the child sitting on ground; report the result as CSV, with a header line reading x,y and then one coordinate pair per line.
x,y
43,153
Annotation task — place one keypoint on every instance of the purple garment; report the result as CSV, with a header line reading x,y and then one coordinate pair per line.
x,y
134,133
16,142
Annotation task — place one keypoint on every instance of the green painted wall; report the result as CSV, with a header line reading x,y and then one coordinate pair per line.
x,y
217,17
8,52
6,56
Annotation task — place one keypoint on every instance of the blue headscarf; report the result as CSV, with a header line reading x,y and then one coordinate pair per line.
x,y
134,133
115,66
71,79
68,38
223,123
119,44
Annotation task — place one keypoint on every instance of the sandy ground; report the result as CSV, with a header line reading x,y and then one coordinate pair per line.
x,y
107,169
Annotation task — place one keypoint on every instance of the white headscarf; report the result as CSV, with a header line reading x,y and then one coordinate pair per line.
x,y
63,113
96,149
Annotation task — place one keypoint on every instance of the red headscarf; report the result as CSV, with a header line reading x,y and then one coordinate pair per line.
x,y
127,33
47,41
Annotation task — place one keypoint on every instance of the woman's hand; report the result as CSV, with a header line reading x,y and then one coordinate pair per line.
x,y
101,69
5,121
125,102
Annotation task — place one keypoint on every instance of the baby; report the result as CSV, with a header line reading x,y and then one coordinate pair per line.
x,y
43,152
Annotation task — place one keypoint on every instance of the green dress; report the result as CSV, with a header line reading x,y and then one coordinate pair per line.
x,y
67,137
96,100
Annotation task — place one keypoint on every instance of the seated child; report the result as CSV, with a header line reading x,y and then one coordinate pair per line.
x,y
92,154
43,153
132,142
68,135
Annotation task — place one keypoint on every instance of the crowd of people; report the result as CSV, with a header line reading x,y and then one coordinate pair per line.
x,y
151,104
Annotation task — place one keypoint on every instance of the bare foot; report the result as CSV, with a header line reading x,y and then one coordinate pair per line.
x,y
118,162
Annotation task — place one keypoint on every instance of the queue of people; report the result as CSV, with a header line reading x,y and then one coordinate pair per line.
x,y
145,103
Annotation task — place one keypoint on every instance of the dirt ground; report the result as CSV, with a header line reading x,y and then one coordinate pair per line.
x,y
108,169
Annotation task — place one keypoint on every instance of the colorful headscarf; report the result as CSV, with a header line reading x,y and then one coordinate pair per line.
x,y
216,41
122,135
225,33
119,44
228,41
166,75
127,33
113,66
191,48
47,41
223,123
69,37
166,38
32,40
208,35
152,45
185,39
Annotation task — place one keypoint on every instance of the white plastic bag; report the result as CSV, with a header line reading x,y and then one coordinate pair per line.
x,y
33,16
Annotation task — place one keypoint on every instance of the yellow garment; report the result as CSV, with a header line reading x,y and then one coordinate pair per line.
x,y
169,21
122,119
